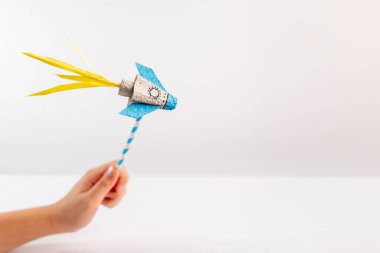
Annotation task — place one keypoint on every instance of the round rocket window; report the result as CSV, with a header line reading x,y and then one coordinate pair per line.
x,y
154,92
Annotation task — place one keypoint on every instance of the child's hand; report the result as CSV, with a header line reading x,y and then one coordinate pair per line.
x,y
102,185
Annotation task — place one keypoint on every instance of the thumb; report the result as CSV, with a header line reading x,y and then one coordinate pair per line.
x,y
105,184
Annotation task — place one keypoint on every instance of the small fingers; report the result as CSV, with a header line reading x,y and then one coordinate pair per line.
x,y
116,194
111,202
123,179
114,197
107,182
93,176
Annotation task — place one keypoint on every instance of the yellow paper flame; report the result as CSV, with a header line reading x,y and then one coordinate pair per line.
x,y
85,79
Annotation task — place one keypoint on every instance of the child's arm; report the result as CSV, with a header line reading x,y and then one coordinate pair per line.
x,y
103,185
20,227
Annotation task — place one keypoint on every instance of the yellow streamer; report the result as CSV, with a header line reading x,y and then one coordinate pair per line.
x,y
82,55
70,86
86,79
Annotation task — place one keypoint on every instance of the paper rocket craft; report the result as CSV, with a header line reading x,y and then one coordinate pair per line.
x,y
146,93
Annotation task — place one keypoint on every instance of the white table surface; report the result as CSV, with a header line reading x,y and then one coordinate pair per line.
x,y
162,214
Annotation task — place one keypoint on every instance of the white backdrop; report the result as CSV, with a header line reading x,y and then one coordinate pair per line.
x,y
264,87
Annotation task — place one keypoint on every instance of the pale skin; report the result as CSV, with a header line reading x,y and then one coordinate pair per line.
x,y
104,185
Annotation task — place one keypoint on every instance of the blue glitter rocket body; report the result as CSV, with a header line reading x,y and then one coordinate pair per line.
x,y
146,94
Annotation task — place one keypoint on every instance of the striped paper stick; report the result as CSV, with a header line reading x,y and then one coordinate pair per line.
x,y
129,141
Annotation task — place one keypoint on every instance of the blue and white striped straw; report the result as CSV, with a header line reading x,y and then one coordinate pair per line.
x,y
130,139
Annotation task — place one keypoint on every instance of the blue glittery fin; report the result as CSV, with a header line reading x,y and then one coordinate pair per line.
x,y
149,75
137,110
